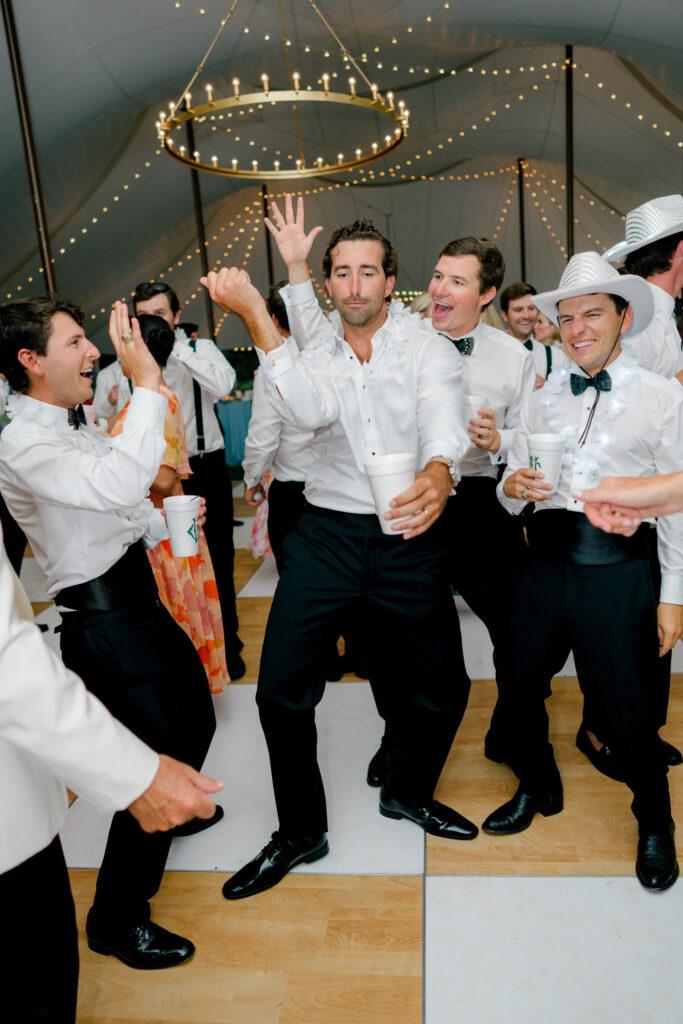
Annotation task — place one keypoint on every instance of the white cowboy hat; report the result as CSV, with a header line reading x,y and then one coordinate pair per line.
x,y
648,223
587,273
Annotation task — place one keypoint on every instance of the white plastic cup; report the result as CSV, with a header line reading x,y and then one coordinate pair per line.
x,y
182,514
389,476
473,403
545,454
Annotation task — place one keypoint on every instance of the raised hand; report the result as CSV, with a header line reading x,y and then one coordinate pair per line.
x,y
291,238
137,362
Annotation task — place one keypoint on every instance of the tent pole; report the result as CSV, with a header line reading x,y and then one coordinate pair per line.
x,y
269,250
201,234
29,146
569,131
522,227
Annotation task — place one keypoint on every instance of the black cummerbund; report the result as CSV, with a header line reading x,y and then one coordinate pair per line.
x,y
557,535
128,584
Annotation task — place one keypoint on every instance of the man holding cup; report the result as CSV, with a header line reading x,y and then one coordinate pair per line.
x,y
82,501
581,589
372,381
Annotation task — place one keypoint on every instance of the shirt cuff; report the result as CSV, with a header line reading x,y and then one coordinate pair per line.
x,y
297,294
500,457
278,361
671,590
182,351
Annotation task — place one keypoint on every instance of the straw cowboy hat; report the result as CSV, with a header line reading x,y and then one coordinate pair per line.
x,y
648,223
588,273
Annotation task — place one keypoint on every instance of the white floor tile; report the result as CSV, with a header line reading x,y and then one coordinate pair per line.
x,y
241,535
560,950
361,841
263,582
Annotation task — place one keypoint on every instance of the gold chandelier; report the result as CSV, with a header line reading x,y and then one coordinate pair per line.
x,y
182,112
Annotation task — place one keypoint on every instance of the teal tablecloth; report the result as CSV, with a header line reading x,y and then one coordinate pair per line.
x,y
234,417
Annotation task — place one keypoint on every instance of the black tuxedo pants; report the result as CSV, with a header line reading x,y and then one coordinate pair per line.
x,y
336,563
606,615
146,671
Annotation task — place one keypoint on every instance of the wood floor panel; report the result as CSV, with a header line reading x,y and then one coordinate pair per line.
x,y
337,949
595,834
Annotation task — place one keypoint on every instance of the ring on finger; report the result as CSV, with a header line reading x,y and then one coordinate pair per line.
x,y
427,512
126,337
524,493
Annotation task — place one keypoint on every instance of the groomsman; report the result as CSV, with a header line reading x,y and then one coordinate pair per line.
x,y
583,590
520,314
82,502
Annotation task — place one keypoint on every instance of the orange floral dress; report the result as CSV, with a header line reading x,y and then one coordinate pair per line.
x,y
187,586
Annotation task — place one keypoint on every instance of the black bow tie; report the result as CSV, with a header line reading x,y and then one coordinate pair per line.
x,y
601,382
76,416
528,344
464,345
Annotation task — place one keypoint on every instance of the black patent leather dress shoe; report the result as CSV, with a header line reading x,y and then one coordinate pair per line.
x,y
236,666
672,755
656,866
605,759
195,825
273,863
377,769
145,945
435,818
518,813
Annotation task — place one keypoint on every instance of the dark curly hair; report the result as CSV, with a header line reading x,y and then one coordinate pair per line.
x,y
27,323
361,230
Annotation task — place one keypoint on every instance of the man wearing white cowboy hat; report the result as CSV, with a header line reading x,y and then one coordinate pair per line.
x,y
653,249
584,590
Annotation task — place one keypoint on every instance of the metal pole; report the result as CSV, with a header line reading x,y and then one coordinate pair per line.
x,y
522,230
269,250
569,131
29,145
201,234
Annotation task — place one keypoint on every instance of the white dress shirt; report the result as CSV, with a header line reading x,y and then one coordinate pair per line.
x,y
658,347
272,443
215,376
540,357
637,430
108,378
52,732
501,370
80,497
406,398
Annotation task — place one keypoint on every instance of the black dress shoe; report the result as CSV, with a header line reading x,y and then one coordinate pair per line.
x,y
605,759
236,667
195,825
145,945
433,817
672,755
656,866
273,863
377,769
518,813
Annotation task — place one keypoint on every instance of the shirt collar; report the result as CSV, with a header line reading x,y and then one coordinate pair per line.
x,y
663,301
37,411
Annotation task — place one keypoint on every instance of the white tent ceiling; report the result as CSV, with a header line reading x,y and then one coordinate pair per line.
x,y
119,211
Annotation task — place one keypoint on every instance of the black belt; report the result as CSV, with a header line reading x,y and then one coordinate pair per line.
x,y
129,583
558,535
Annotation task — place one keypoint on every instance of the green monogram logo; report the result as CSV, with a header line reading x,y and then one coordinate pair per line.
x,y
194,530
534,462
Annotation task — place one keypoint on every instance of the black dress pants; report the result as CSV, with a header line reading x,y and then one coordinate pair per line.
x,y
13,537
211,479
606,615
484,545
286,504
38,941
335,562
146,671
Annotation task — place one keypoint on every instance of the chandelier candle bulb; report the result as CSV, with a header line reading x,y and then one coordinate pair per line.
x,y
357,154
390,97
214,161
234,163
374,147
209,93
374,93
296,76
326,82
319,161
162,116
340,157
277,166
298,165
236,86
264,79
196,155
352,86
254,164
